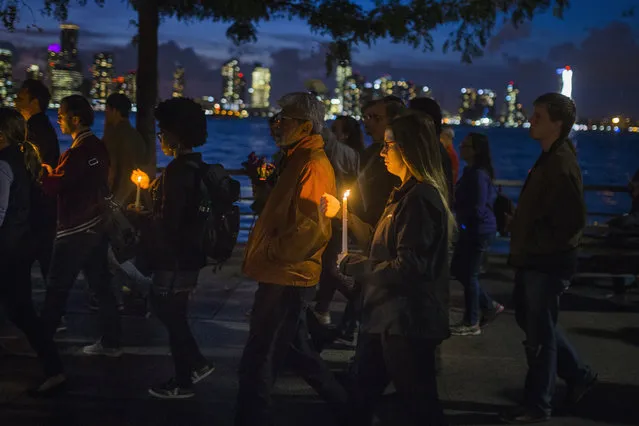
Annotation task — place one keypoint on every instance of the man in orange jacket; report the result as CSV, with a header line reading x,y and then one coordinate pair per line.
x,y
284,255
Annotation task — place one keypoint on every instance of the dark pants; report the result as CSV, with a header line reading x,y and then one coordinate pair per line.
x,y
331,280
85,252
468,258
407,362
279,335
548,352
171,307
15,296
43,249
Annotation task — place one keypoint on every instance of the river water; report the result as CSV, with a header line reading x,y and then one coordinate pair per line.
x,y
605,158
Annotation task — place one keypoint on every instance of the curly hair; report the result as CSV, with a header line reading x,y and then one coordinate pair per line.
x,y
184,118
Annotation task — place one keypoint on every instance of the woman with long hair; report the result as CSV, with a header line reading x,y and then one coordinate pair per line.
x,y
475,196
19,169
348,131
405,276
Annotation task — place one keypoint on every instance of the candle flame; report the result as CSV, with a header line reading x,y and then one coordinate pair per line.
x,y
139,179
347,193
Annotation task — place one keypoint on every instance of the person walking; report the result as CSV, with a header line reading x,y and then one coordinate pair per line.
x,y
406,277
79,182
284,255
16,189
546,230
172,242
475,195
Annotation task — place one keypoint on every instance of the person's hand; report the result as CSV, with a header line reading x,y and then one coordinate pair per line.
x,y
329,206
138,210
48,168
340,259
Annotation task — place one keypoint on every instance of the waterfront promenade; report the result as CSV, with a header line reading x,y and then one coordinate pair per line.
x,y
480,375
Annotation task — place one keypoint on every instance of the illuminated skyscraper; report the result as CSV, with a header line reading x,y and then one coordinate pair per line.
x,y
6,77
102,72
260,87
178,82
565,81
126,85
404,90
486,104
383,86
342,73
352,96
513,115
468,102
69,40
232,86
33,72
66,71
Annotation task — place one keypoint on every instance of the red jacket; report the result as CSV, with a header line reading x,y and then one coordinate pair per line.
x,y
80,184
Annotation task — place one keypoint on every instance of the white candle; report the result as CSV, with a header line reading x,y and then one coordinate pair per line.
x,y
137,195
345,222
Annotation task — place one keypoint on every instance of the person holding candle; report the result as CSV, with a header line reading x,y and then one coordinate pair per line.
x,y
405,276
284,255
171,240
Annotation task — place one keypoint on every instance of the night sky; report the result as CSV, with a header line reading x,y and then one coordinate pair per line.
x,y
595,39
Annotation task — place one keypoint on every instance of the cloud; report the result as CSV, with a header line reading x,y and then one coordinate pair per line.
x,y
508,34
605,64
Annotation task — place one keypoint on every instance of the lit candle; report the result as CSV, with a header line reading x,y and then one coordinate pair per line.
x,y
345,222
137,195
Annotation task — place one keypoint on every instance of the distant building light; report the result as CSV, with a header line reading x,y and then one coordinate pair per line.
x,y
615,120
464,90
211,98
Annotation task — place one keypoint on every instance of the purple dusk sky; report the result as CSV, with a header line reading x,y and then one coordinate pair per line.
x,y
595,38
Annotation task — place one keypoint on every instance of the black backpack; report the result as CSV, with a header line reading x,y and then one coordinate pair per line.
x,y
504,210
221,217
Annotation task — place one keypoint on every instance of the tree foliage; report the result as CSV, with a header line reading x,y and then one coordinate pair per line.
x,y
345,22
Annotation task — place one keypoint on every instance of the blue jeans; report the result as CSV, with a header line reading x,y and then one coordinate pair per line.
x,y
548,352
469,253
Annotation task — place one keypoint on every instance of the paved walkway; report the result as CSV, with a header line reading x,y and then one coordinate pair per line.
x,y
480,374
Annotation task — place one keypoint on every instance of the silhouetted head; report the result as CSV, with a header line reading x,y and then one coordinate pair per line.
x,y
75,113
32,98
182,124
553,117
431,107
348,131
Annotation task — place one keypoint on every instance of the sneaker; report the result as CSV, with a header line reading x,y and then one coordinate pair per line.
x,y
575,393
523,416
465,330
52,386
63,325
324,318
201,373
490,315
98,349
94,305
170,390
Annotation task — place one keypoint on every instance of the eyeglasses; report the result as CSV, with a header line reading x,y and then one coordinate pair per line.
x,y
375,117
388,145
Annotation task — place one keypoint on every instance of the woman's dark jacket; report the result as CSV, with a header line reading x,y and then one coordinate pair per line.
x,y
405,276
174,237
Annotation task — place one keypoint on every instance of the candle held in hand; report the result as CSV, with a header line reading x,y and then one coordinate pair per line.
x,y
137,195
345,221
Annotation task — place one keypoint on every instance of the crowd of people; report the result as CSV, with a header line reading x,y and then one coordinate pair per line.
x,y
415,218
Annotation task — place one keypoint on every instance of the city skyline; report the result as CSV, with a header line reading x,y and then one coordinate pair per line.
x,y
511,55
